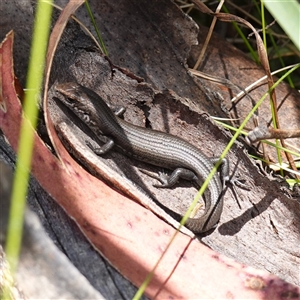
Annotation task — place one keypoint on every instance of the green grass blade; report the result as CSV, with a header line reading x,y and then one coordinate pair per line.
x,y
244,38
96,27
287,14
23,164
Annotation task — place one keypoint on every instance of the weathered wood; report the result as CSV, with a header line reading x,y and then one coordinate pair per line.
x,y
264,232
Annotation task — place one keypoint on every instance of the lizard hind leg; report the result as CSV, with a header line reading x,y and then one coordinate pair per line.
x,y
168,181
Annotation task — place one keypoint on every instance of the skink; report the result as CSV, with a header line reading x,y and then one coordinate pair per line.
x,y
151,146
